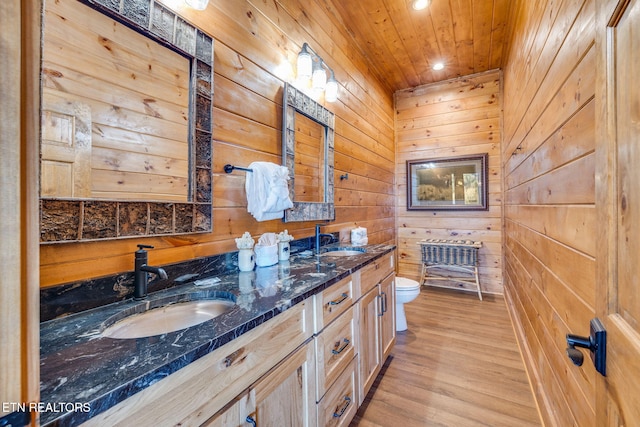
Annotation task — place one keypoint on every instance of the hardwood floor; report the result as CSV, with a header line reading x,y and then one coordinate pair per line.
x,y
457,365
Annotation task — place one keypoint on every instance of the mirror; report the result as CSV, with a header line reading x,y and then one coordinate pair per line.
x,y
126,122
309,183
308,150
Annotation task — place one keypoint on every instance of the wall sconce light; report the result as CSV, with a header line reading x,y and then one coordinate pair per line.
x,y
312,66
197,4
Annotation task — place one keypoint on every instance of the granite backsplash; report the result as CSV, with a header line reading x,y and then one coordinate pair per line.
x,y
75,297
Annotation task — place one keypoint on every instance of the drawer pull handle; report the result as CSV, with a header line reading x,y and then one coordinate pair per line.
x,y
337,350
339,411
380,305
343,297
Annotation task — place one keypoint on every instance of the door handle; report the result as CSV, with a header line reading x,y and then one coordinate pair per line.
x,y
596,342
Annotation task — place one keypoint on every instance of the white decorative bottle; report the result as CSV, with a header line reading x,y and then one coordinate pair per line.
x,y
284,247
246,258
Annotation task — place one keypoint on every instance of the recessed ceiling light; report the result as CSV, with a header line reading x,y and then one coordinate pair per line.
x,y
420,4
197,4
438,66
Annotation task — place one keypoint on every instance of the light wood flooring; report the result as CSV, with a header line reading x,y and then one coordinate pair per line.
x,y
457,365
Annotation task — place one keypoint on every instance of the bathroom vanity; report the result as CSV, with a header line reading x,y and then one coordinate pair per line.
x,y
305,340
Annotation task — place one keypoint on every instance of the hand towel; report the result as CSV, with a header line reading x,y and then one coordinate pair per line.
x,y
267,191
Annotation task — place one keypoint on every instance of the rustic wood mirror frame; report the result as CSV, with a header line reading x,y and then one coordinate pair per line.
x,y
297,102
72,220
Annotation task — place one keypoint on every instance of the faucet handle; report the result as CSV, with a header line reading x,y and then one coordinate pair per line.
x,y
143,247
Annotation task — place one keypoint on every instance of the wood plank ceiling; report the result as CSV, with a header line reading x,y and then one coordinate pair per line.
x,y
402,44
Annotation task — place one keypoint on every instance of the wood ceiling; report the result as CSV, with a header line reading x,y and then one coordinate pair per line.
x,y
403,44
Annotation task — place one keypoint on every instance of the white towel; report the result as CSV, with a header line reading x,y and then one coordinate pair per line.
x,y
267,191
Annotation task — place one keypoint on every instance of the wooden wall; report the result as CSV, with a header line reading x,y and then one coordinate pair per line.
x,y
452,118
254,41
548,154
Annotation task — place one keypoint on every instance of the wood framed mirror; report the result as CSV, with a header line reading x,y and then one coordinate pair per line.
x,y
126,122
308,153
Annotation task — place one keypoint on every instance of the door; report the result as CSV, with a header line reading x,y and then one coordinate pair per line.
x,y
618,204
66,148
19,227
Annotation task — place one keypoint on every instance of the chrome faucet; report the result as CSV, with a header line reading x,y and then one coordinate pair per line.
x,y
319,236
142,271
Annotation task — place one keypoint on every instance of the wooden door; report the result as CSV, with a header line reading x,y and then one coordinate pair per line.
x,y
618,204
66,148
19,251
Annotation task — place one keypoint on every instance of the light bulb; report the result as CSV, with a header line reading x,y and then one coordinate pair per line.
x,y
331,90
304,63
438,66
319,79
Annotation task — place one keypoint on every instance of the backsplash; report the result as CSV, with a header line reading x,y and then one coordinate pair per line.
x,y
70,298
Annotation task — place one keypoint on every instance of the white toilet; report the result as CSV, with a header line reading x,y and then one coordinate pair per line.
x,y
406,291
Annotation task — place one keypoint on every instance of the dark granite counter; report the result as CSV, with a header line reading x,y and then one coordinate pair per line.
x,y
83,374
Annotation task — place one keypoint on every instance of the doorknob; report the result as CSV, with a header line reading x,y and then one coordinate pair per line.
x,y
596,342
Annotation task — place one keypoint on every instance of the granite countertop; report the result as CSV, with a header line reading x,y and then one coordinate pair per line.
x,y
83,374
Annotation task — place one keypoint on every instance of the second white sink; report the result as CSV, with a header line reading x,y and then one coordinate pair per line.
x,y
346,252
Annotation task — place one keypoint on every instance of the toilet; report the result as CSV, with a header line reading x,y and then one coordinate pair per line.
x,y
406,291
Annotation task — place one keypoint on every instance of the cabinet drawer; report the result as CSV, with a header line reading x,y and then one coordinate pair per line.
x,y
339,405
196,392
332,302
373,273
335,347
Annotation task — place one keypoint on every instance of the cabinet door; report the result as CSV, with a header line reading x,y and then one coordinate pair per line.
x,y
369,350
285,396
388,318
234,414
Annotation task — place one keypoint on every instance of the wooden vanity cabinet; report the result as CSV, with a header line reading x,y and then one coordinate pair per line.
x,y
197,392
376,319
282,397
309,366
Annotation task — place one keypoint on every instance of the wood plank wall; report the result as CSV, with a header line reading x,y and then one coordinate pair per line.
x,y
254,41
453,118
548,154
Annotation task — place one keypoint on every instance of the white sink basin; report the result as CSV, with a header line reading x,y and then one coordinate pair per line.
x,y
169,318
344,252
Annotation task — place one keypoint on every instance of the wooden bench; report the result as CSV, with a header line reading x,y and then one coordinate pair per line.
x,y
458,256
